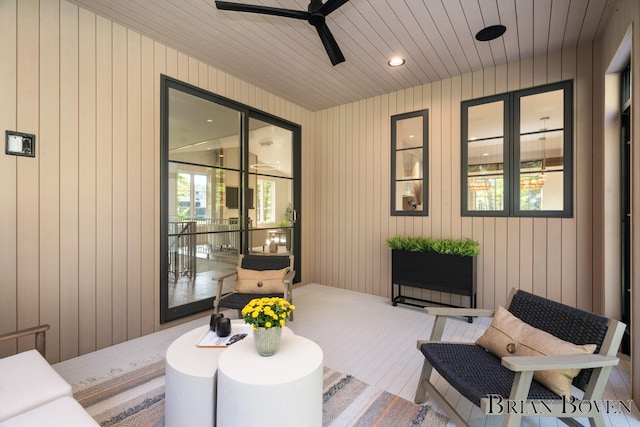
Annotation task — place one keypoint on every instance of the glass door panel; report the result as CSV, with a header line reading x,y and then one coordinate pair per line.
x,y
203,169
270,188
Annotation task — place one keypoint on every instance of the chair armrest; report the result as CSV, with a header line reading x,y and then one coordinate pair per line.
x,y
548,363
459,312
38,331
288,282
289,276
219,285
223,276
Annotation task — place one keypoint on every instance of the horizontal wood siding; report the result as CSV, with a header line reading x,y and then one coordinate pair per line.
x,y
79,222
551,257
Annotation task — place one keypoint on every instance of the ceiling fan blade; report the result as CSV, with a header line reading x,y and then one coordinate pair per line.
x,y
264,10
330,44
330,6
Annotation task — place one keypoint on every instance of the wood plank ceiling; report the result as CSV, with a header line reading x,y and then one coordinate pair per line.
x,y
286,57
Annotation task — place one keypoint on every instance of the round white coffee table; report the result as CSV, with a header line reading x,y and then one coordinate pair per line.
x,y
190,379
284,389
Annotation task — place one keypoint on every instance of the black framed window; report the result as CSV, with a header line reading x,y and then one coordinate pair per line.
x,y
409,163
517,153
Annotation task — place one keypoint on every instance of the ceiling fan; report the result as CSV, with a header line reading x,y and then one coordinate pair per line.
x,y
316,14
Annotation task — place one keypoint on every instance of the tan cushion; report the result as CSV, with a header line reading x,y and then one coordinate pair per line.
x,y
509,336
260,282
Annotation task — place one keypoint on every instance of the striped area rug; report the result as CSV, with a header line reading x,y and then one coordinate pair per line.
x,y
136,398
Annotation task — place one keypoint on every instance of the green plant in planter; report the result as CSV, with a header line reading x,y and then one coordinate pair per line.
x,y
465,247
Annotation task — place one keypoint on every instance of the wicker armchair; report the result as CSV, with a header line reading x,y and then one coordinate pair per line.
x,y
477,374
237,300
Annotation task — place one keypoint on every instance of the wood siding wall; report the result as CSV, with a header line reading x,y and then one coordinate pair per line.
x,y
79,225
550,257
79,222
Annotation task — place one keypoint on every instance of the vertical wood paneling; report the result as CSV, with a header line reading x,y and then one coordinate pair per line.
x,y
583,174
8,214
367,235
119,179
346,179
385,186
527,253
27,170
134,190
49,176
69,202
334,214
150,106
104,184
380,173
87,182
501,287
348,192
361,185
555,250
79,222
569,230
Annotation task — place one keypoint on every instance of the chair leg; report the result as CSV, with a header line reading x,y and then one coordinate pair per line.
x,y
421,392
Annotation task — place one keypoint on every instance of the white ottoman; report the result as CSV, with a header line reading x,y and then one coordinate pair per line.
x,y
281,390
190,380
62,412
26,382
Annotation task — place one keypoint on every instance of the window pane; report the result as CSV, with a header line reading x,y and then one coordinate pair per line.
x,y
542,111
409,133
270,149
542,191
183,189
409,196
485,184
266,201
409,164
485,193
542,153
486,121
203,132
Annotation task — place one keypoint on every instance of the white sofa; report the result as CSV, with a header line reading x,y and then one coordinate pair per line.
x,y
32,393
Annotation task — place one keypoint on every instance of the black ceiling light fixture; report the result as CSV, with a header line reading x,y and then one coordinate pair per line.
x,y
316,14
491,32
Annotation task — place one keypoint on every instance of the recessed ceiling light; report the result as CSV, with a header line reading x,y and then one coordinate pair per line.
x,y
209,121
492,32
396,62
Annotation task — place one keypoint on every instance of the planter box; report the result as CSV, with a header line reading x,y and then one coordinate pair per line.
x,y
452,274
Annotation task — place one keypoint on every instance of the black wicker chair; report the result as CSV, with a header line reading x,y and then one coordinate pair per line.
x,y
477,374
237,300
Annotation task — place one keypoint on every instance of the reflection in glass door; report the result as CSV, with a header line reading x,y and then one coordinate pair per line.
x,y
270,173
228,187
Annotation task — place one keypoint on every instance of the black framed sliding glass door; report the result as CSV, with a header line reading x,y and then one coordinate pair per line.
x,y
229,185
